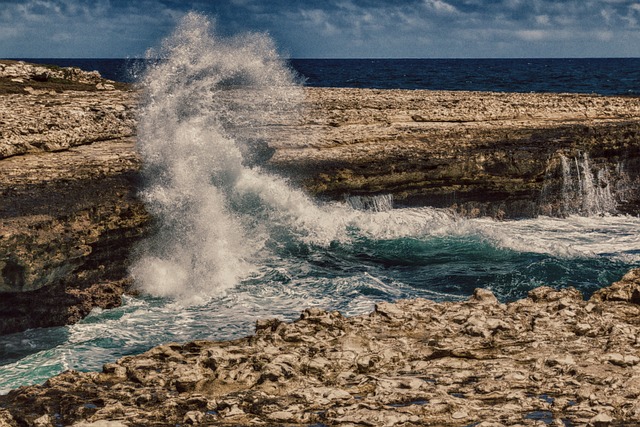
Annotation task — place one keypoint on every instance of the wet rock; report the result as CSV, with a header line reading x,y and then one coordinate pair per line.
x,y
627,289
480,362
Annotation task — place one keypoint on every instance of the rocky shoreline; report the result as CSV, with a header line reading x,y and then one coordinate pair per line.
x,y
70,216
481,154
550,359
69,212
69,171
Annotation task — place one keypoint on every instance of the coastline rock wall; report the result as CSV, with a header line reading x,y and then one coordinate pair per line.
x,y
68,221
69,175
479,153
69,172
21,72
550,359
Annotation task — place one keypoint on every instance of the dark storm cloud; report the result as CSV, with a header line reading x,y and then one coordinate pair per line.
x,y
333,28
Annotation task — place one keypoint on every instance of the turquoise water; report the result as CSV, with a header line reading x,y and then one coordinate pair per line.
x,y
350,274
235,243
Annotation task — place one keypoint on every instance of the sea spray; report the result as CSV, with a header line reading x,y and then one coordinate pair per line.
x,y
206,99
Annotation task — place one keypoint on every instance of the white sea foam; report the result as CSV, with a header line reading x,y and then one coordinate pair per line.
x,y
207,99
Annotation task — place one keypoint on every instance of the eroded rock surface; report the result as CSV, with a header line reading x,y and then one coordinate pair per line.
x,y
551,358
69,214
48,108
497,154
68,221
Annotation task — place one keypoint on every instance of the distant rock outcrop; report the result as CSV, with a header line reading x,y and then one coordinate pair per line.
x,y
550,359
495,154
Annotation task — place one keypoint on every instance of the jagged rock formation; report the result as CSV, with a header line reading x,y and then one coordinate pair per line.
x,y
551,358
479,153
68,218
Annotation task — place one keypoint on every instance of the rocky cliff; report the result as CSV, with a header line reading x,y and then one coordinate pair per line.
x,y
550,359
69,172
496,154
68,182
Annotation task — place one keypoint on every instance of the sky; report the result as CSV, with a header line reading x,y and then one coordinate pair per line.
x,y
331,28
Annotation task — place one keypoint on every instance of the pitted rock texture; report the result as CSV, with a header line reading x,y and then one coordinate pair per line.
x,y
550,359
69,212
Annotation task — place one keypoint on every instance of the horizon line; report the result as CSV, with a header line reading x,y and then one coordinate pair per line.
x,y
341,58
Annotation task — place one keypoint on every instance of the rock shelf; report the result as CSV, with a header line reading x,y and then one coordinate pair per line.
x,y
69,214
550,359
476,152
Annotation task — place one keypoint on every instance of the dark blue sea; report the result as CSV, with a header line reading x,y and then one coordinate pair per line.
x,y
234,243
605,76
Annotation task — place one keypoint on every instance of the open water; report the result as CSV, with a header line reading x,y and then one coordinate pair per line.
x,y
236,243
605,76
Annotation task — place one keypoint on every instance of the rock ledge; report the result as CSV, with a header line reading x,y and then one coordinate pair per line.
x,y
552,358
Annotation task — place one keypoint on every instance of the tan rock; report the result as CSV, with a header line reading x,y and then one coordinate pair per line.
x,y
375,370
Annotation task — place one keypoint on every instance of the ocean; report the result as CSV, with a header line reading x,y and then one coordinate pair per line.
x,y
604,76
237,243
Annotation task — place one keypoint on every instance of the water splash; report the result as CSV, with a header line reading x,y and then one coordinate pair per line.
x,y
208,99
379,203
575,186
220,220
586,190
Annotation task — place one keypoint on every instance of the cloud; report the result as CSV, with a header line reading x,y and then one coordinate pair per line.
x,y
333,28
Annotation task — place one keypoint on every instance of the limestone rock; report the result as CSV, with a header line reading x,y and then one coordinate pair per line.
x,y
496,154
627,289
42,122
409,363
69,211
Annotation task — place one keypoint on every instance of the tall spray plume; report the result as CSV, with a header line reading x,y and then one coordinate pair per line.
x,y
207,100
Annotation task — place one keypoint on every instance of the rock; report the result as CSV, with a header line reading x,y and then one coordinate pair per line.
x,y
101,423
437,148
627,289
69,174
69,212
396,366
6,420
41,122
105,86
601,420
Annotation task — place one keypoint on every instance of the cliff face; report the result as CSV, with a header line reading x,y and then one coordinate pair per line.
x,y
68,208
67,224
69,173
497,154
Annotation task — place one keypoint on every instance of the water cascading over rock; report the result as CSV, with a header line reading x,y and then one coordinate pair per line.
x,y
575,185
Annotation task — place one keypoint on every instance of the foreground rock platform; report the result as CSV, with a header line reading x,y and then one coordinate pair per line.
x,y
550,359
